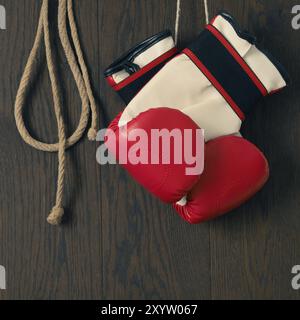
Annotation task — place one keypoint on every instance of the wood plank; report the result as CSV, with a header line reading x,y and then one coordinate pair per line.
x,y
254,248
45,262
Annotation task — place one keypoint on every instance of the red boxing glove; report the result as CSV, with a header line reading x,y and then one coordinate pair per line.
x,y
129,75
235,170
168,158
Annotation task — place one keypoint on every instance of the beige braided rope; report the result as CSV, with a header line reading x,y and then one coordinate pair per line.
x,y
81,77
178,16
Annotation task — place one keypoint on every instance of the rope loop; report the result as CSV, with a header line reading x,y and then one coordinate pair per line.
x,y
80,74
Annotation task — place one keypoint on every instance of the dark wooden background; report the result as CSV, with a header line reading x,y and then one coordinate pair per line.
x,y
118,241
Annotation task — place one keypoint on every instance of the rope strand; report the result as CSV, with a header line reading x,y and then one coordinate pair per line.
x,y
92,134
206,11
178,15
81,77
177,21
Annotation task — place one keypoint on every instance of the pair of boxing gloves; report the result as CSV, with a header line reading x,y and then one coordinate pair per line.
x,y
210,85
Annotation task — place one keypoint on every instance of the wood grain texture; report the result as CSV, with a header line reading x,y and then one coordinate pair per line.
x,y
118,241
254,248
148,252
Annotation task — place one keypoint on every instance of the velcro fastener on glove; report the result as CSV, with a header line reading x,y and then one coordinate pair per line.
x,y
128,74
232,62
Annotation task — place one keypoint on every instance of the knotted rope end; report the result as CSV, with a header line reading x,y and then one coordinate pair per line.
x,y
55,216
92,134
